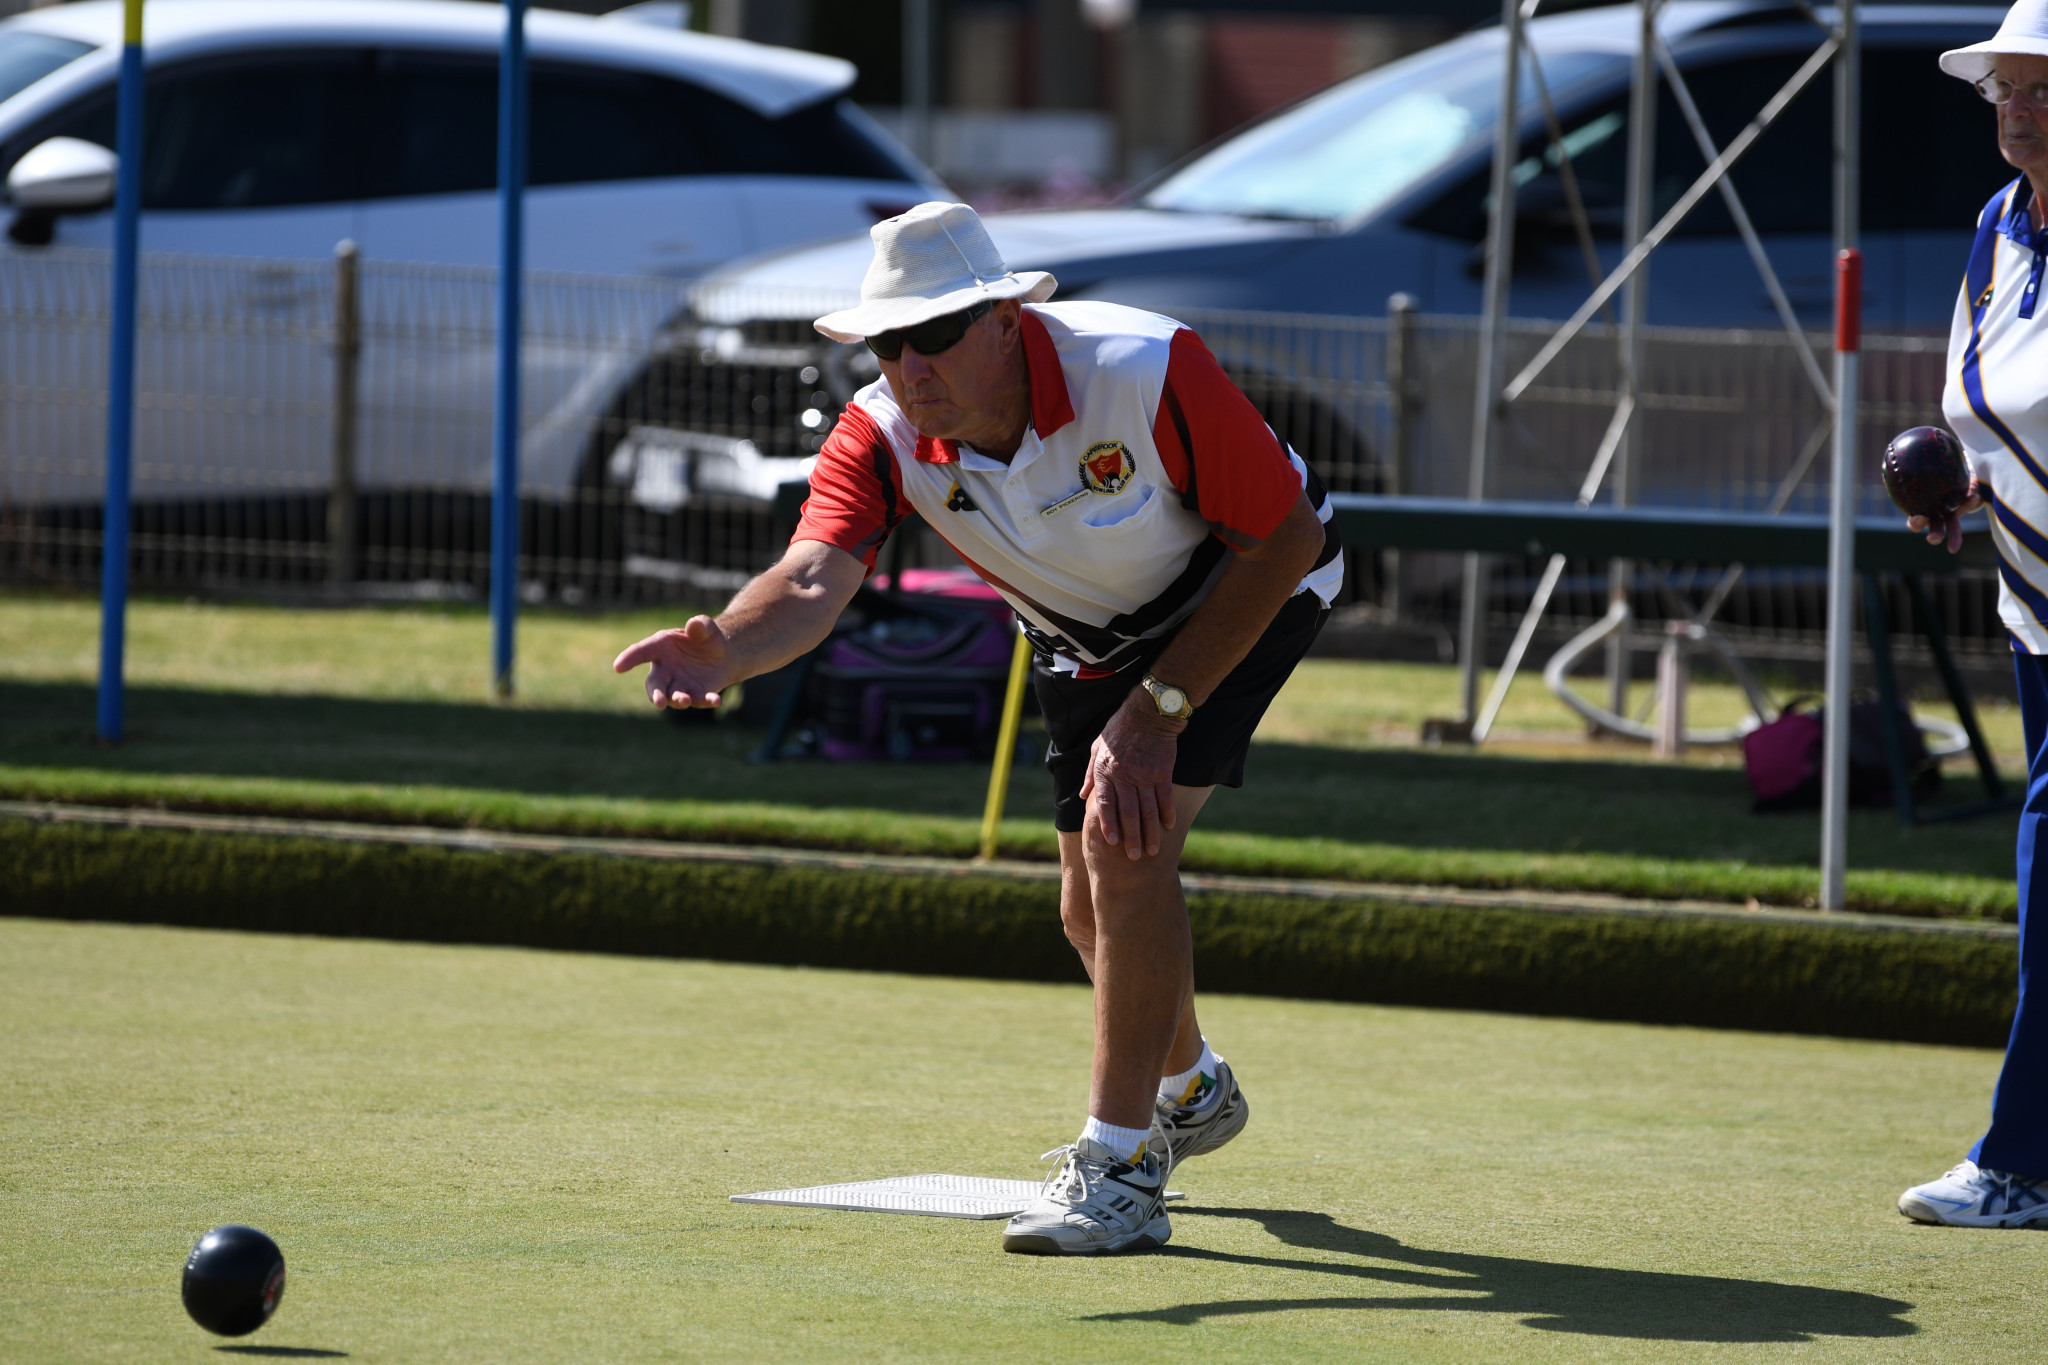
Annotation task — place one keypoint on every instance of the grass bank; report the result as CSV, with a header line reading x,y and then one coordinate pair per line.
x,y
1777,973
381,715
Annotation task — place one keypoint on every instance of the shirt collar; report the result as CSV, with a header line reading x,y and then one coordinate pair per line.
x,y
2018,223
1051,408
1051,405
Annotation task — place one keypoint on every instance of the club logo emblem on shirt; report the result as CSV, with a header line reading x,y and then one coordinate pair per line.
x,y
1106,467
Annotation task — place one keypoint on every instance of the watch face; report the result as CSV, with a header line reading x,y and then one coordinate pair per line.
x,y
1172,700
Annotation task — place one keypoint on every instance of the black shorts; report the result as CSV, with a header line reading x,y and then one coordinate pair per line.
x,y
1212,748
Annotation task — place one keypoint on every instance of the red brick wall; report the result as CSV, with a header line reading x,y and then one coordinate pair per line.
x,y
1260,64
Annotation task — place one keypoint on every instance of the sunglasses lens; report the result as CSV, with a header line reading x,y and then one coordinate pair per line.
x,y
928,338
938,335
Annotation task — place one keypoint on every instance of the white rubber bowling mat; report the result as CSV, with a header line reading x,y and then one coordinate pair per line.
x,y
931,1196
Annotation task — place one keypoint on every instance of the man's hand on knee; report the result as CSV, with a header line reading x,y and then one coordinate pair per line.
x,y
1129,786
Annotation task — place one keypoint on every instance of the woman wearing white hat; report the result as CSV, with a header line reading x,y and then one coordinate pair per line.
x,y
1169,559
1997,403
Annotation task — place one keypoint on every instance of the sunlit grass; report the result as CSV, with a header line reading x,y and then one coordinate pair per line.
x,y
475,1154
407,653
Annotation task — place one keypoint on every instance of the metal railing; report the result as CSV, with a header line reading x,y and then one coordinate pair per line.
x,y
1726,419
325,426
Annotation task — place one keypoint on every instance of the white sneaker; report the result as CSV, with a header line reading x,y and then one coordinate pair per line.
x,y
1972,1197
1192,1131
1094,1202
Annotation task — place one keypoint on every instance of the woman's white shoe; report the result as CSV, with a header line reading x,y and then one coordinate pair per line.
x,y
1972,1197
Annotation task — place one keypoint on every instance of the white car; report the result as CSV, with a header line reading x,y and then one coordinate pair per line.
x,y
279,129
276,130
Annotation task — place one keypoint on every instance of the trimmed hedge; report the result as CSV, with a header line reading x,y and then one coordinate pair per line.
x,y
1878,891
1852,980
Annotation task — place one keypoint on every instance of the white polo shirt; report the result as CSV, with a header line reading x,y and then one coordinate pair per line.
x,y
1996,402
1143,469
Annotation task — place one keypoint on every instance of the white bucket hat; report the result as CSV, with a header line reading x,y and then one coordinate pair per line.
x,y
933,260
2024,33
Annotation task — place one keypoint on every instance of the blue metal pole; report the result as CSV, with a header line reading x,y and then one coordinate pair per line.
x,y
511,259
121,383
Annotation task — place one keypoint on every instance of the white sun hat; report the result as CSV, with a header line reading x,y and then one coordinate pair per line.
x,y
2024,33
933,260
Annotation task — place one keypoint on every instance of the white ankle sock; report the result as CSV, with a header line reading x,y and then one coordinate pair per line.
x,y
1127,1143
1191,1089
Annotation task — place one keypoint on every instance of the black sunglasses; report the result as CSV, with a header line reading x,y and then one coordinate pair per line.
x,y
929,338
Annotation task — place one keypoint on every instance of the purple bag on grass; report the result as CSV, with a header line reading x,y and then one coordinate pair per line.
x,y
1783,758
923,684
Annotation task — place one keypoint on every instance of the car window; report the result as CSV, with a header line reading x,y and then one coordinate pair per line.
x,y
823,139
1728,96
589,124
264,132
439,121
1786,179
868,151
26,58
407,123
437,125
1929,154
440,126
244,132
1365,142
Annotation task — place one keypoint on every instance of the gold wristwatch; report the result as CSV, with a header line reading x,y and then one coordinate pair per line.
x,y
1169,700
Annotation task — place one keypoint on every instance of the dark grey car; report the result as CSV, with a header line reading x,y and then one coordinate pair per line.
x,y
1379,185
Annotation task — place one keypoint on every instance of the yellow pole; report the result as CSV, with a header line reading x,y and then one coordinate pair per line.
x,y
1006,746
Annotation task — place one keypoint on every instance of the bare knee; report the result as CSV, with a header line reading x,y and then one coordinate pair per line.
x,y
1119,885
1080,927
1077,910
1077,906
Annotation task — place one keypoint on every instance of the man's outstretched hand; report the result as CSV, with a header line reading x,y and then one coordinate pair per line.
x,y
690,666
1949,529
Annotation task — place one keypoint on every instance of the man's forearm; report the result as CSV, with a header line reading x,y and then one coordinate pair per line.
x,y
1241,605
786,611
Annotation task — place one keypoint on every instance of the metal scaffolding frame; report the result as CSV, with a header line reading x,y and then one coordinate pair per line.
x,y
1611,464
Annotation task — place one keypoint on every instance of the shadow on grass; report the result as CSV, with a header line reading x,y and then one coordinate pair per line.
x,y
1421,800
1551,1295
301,1352
192,732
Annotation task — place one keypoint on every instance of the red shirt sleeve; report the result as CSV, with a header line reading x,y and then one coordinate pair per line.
x,y
1217,449
856,493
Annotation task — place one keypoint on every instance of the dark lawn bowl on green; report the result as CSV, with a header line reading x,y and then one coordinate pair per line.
x,y
233,1281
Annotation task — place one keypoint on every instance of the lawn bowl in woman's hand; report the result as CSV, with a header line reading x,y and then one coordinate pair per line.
x,y
1926,473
